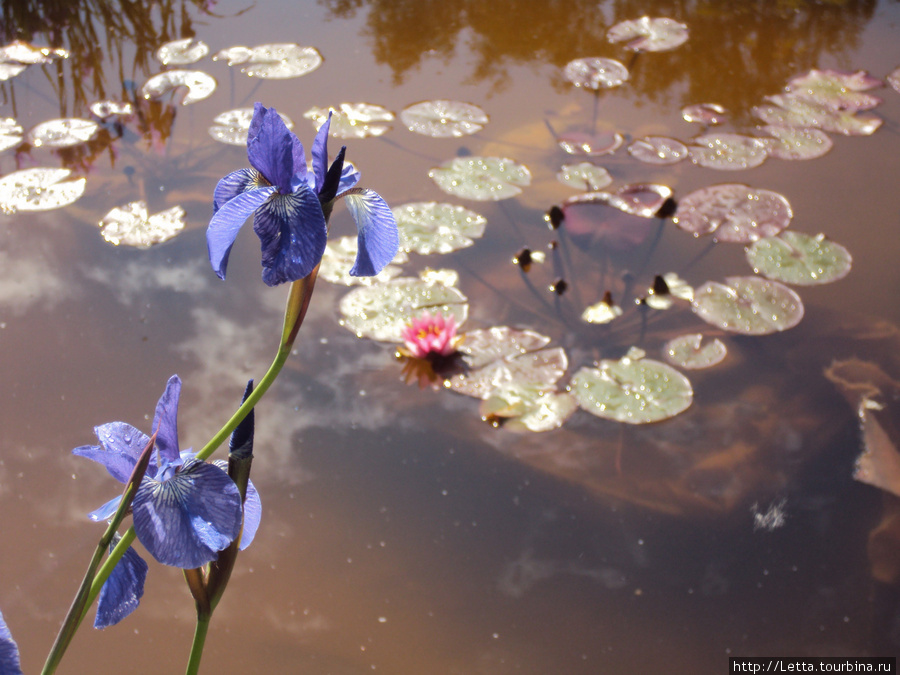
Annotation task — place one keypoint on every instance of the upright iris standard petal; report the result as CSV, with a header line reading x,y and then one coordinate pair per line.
x,y
227,221
123,590
120,447
165,422
320,155
271,148
378,239
9,651
186,520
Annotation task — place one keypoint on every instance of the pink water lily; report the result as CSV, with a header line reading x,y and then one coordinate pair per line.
x,y
430,335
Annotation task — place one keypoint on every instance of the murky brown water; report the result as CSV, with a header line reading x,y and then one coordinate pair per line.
x,y
402,534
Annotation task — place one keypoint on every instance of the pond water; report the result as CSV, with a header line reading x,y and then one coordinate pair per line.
x,y
402,533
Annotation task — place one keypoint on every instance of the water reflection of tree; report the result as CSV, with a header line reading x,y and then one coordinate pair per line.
x,y
736,51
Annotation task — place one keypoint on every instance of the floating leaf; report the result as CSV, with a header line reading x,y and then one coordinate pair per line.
x,y
733,213
894,80
273,61
17,56
38,189
603,312
794,111
649,35
704,113
796,142
798,258
10,133
353,120
634,389
106,109
232,126
619,220
528,408
199,85
582,143
481,178
443,119
658,150
667,287
595,73
728,152
482,347
132,225
63,132
748,305
380,312
584,176
689,351
182,52
340,254
836,89
430,227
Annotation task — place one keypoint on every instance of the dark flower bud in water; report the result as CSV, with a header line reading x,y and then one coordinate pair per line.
x,y
554,217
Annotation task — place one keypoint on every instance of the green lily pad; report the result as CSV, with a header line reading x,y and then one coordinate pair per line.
x,y
38,189
528,408
431,227
276,61
132,225
108,108
649,34
658,150
182,52
796,142
481,178
199,85
353,120
798,258
733,213
836,89
539,369
62,133
728,152
443,119
380,312
634,390
338,259
481,347
10,133
596,72
748,305
795,111
690,352
584,176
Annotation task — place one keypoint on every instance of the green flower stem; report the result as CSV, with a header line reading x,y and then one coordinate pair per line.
x,y
202,628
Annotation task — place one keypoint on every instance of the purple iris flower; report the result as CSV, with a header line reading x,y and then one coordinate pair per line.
x,y
289,204
9,651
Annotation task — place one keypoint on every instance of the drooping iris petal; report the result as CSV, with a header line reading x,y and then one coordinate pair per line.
x,y
122,592
226,222
378,239
290,251
106,511
120,446
252,509
9,651
234,184
165,421
185,521
271,148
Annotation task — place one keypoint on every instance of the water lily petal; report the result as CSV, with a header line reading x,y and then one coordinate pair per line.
x,y
122,592
226,222
293,233
120,446
271,148
185,521
234,184
165,422
9,651
106,511
378,239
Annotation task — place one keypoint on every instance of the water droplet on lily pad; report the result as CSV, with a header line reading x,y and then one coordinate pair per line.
x,y
132,225
748,305
443,119
182,52
338,259
232,126
728,152
584,176
690,352
596,72
733,213
62,133
353,120
658,150
38,189
199,85
481,178
799,258
10,133
649,34
432,227
275,61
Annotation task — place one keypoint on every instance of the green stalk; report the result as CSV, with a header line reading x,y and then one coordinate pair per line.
x,y
200,631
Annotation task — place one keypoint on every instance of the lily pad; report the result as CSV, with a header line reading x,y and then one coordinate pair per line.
x,y
593,144
380,312
232,126
748,305
796,142
18,55
199,85
132,225
182,52
338,259
634,390
584,176
106,109
836,89
733,213
704,113
10,133
798,258
443,119
353,120
38,189
602,312
658,150
690,352
430,227
528,408
596,73
649,34
618,220
795,111
62,133
894,80
275,61
728,152
481,178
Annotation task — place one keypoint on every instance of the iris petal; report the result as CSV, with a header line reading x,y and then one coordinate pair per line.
x,y
349,178
378,239
292,233
186,520
120,446
252,509
271,148
320,154
227,221
122,592
9,651
234,184
165,421
106,511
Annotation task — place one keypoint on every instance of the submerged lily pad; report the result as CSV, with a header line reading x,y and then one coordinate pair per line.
x,y
430,227
728,152
619,220
199,85
340,254
481,178
443,119
63,132
232,126
796,142
689,351
353,120
798,258
596,72
634,389
132,225
704,113
275,61
380,312
649,34
38,189
795,111
658,150
733,213
593,144
182,52
584,176
748,305
10,133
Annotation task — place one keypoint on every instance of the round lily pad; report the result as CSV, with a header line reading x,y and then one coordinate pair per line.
x,y
484,346
690,352
528,408
796,142
232,126
704,113
380,312
539,369
481,178
182,52
634,390
338,259
443,119
591,144
649,34
836,89
38,189
733,213
10,133
199,85
658,150
275,61
63,133
353,120
132,225
748,305
798,258
894,79
795,111
584,176
596,73
431,227
728,152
